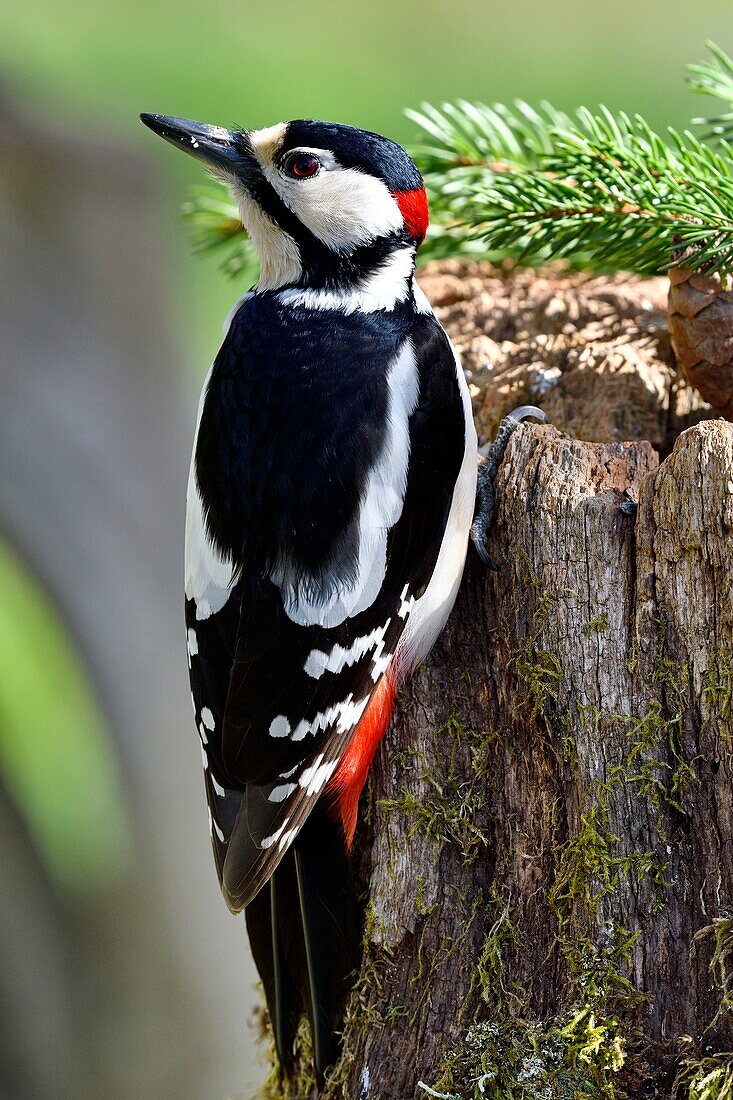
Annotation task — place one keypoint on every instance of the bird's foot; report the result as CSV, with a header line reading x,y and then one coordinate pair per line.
x,y
492,454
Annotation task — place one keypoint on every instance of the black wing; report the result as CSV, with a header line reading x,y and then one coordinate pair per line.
x,y
284,697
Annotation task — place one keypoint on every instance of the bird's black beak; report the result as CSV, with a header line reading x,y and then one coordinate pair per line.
x,y
212,145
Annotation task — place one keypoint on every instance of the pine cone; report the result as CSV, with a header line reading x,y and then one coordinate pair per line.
x,y
701,327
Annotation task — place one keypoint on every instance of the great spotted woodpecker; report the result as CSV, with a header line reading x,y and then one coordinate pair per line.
x,y
330,498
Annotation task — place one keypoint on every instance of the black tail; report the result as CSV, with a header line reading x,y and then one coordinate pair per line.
x,y
305,936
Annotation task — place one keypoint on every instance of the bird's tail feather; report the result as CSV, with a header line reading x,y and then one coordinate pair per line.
x,y
305,936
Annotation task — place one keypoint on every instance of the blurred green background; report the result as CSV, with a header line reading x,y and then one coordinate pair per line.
x,y
109,324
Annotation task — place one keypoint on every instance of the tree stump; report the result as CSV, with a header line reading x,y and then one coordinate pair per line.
x,y
546,846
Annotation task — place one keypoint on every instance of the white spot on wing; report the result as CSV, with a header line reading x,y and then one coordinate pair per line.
x,y
406,603
203,734
207,718
287,839
192,642
214,828
279,727
268,841
314,777
217,786
281,792
342,715
318,662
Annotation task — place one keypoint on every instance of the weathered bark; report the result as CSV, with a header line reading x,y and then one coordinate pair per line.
x,y
550,817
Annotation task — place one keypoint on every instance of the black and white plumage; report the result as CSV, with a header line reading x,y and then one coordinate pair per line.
x,y
330,499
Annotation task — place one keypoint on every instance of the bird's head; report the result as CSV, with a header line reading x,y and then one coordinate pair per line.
x,y
327,206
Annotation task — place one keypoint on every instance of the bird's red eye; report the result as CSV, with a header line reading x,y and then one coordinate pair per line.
x,y
302,165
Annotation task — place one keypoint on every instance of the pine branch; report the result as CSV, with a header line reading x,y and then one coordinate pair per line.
x,y
600,190
714,78
215,227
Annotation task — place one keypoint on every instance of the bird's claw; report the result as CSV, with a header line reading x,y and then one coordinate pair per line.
x,y
492,454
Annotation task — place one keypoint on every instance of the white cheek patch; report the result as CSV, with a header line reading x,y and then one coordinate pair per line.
x,y
343,207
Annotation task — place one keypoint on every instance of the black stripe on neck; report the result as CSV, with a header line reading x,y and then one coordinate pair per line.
x,y
323,268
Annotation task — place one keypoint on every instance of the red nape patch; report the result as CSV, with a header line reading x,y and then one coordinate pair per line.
x,y
414,209
350,775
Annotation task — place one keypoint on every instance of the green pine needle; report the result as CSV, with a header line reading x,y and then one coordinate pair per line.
x,y
602,190
714,78
216,227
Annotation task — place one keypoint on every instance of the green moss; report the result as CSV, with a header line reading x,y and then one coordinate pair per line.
x,y
490,977
362,1016
596,626
302,1082
721,962
576,1058
718,685
541,674
705,1079
649,736
452,808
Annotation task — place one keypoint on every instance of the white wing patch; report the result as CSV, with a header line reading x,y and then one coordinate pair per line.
x,y
319,661
407,602
314,777
343,715
279,727
281,792
381,508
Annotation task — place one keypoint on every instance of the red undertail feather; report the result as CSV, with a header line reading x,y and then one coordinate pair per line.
x,y
414,209
350,775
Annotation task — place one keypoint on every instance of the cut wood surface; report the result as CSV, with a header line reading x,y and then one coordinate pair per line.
x,y
546,845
